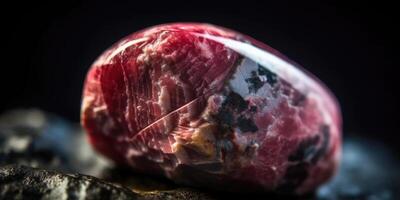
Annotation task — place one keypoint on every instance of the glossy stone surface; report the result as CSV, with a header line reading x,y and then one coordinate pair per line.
x,y
207,106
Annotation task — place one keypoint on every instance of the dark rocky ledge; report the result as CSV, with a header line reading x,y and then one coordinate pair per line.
x,y
20,182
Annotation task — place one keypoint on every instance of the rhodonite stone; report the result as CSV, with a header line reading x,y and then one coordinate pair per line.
x,y
210,107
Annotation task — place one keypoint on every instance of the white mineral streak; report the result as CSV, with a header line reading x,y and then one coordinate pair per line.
x,y
86,102
109,54
286,71
243,72
100,108
157,121
82,190
164,100
238,83
61,190
124,46
153,48
89,98
100,111
205,49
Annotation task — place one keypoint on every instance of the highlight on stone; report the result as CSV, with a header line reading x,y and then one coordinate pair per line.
x,y
207,106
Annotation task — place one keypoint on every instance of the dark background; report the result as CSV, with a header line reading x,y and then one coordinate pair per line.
x,y
350,46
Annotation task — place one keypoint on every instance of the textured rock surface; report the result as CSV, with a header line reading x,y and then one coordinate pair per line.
x,y
20,182
17,182
208,106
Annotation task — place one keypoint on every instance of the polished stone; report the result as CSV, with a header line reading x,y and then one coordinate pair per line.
x,y
207,106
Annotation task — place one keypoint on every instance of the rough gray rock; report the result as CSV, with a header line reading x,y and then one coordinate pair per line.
x,y
19,182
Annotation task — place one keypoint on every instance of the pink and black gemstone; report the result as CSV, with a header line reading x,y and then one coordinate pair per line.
x,y
207,106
